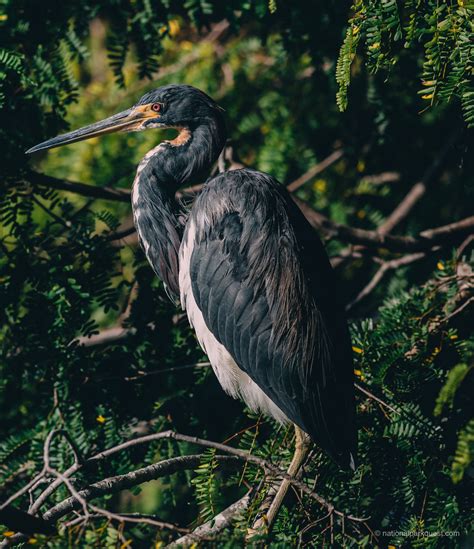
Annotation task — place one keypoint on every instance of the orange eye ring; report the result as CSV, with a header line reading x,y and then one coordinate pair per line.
x,y
156,107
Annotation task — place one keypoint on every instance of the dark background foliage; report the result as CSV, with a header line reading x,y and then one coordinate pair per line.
x,y
91,343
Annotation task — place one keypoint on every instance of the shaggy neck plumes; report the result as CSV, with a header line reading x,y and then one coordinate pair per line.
x,y
157,216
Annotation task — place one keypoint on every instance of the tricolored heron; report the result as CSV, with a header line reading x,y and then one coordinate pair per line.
x,y
251,273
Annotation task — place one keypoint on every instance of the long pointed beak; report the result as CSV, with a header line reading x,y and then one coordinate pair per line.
x,y
128,120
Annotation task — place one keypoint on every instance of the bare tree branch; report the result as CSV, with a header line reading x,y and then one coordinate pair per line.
x,y
381,178
212,527
403,208
385,267
115,484
120,482
105,337
315,170
107,193
373,239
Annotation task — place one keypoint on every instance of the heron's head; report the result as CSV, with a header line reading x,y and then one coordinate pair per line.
x,y
172,106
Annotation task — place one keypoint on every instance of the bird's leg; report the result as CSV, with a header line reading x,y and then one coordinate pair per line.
x,y
277,494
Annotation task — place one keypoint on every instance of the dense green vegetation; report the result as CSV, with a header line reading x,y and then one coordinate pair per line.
x,y
91,344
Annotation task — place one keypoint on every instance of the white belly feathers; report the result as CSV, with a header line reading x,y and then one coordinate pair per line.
x,y
233,380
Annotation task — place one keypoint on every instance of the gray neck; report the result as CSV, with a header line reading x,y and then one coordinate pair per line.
x,y
157,216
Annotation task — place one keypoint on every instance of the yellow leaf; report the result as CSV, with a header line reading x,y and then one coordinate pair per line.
x,y
357,350
100,419
126,544
374,46
358,373
32,541
361,214
174,27
186,45
454,336
320,185
440,265
429,96
8,534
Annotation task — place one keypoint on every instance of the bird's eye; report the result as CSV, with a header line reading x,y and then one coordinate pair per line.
x,y
156,107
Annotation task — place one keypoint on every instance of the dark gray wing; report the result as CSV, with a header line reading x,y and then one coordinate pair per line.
x,y
263,282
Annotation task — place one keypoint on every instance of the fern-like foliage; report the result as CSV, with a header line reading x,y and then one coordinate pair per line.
x,y
205,485
390,31
464,455
344,62
11,65
446,396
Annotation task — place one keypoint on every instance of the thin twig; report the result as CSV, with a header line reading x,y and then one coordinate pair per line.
x,y
143,374
465,244
33,482
140,518
367,393
381,178
315,170
57,218
459,310
380,273
120,235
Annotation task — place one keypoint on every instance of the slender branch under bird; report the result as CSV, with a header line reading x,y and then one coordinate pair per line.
x,y
80,498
